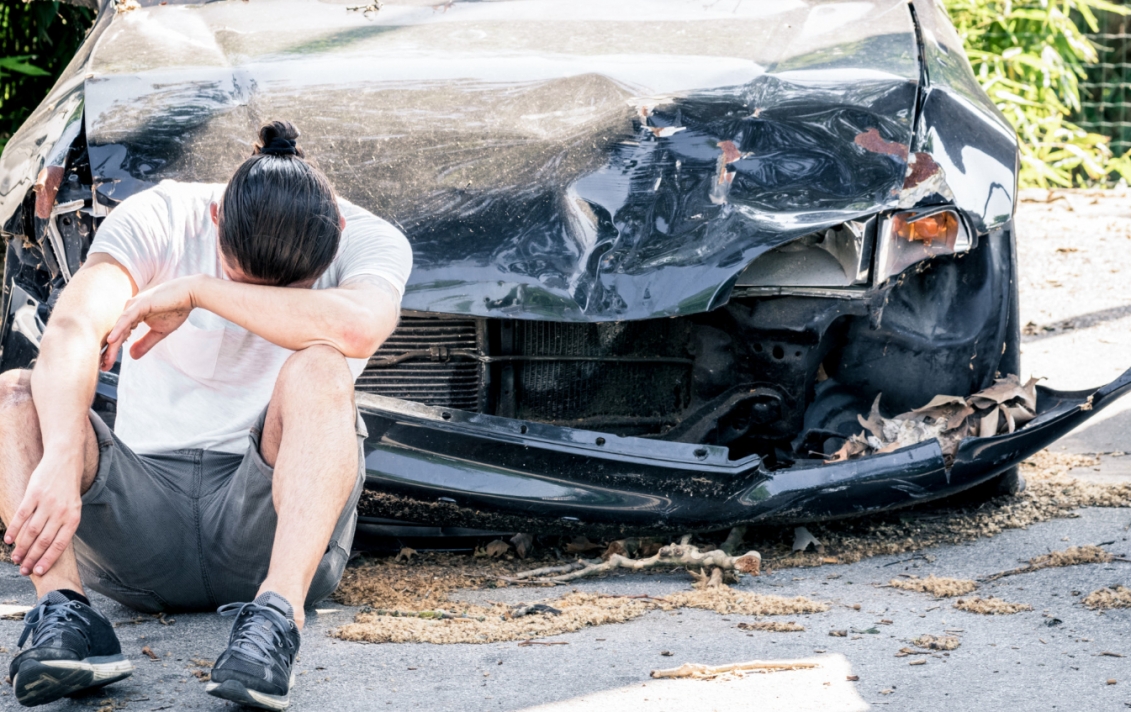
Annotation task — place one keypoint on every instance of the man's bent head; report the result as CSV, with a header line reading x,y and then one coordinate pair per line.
x,y
279,222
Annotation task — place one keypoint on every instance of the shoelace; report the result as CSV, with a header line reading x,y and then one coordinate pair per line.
x,y
46,621
251,637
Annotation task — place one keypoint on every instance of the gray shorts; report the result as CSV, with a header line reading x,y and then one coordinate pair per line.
x,y
190,529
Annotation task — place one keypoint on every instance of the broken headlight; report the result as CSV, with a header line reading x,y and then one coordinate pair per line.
x,y
834,258
912,236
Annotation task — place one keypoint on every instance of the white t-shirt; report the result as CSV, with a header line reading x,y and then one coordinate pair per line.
x,y
205,384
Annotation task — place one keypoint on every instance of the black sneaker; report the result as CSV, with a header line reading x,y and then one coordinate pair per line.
x,y
255,670
73,648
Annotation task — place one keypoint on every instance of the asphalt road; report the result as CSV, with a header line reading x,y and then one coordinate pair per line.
x,y
1074,262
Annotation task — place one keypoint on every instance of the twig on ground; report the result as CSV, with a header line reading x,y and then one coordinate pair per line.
x,y
528,643
547,570
707,672
672,555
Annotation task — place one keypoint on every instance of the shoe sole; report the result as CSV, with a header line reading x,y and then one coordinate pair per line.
x,y
39,682
234,691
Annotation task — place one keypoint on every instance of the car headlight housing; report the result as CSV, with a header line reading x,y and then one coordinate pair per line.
x,y
912,236
834,258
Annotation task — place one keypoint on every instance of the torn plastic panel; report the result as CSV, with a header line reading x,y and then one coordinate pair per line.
x,y
564,477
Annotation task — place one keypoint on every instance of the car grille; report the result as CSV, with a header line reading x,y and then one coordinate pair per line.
x,y
630,376
603,374
437,369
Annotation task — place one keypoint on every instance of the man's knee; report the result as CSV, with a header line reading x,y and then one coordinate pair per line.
x,y
320,370
15,395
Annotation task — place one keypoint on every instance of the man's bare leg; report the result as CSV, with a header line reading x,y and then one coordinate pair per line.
x,y
310,439
21,449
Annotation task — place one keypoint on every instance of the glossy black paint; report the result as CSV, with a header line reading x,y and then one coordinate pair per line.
x,y
564,161
438,467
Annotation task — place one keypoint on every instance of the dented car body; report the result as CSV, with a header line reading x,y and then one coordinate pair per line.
x,y
666,254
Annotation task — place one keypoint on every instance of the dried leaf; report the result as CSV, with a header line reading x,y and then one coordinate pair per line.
x,y
148,652
875,421
405,554
497,548
958,418
989,423
1010,426
523,544
580,545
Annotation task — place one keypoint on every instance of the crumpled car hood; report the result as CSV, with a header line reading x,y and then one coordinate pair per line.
x,y
582,160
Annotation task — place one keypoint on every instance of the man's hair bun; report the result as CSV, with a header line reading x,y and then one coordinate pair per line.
x,y
278,138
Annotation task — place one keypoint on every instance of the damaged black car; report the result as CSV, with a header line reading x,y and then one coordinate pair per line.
x,y
679,266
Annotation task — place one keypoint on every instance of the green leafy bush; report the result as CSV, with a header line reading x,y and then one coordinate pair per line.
x,y
37,39
1029,56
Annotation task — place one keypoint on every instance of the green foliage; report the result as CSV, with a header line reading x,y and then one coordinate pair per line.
x,y
1029,56
37,39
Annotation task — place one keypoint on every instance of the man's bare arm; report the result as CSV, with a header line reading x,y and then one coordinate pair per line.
x,y
354,318
62,384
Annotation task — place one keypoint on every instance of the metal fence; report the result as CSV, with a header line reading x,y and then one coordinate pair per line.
x,y
1105,95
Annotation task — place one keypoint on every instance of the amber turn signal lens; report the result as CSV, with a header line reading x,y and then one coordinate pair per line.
x,y
940,227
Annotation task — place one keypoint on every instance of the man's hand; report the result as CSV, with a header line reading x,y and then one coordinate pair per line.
x,y
48,515
163,309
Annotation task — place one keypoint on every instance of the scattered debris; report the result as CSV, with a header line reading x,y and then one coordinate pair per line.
x,y
710,672
1111,681
1049,494
838,633
202,675
853,678
527,609
920,661
938,587
1105,598
126,6
412,604
528,643
940,642
367,9
1072,556
405,554
990,606
1001,408
495,549
148,652
773,626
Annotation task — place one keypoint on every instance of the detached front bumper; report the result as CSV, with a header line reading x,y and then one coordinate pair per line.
x,y
436,466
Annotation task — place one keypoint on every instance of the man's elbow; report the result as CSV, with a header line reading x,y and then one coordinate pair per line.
x,y
362,340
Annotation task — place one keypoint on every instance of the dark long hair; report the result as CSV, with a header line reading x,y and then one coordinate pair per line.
x,y
279,219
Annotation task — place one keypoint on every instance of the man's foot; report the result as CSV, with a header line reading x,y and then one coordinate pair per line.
x,y
73,648
256,668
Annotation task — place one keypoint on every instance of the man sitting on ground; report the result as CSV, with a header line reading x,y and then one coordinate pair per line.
x,y
235,467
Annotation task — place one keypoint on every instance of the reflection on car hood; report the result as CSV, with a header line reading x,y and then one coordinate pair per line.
x,y
563,159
